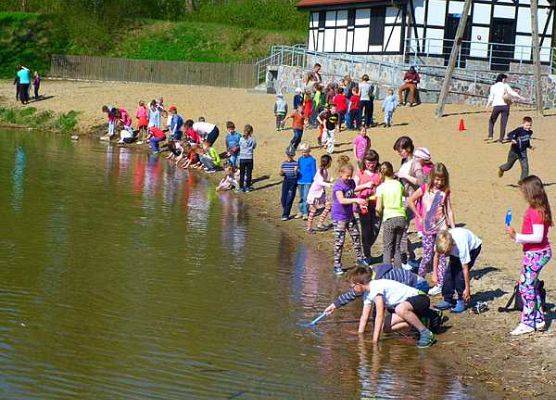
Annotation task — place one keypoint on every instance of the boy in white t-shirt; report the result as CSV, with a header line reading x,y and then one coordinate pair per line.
x,y
405,303
463,248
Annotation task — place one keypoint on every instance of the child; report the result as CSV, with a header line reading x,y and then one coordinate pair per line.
x,y
367,180
298,123
155,136
247,145
343,199
192,160
36,84
389,205
319,100
340,101
389,105
354,115
536,253
142,115
289,170
232,144
176,151
191,134
521,141
211,159
361,143
154,114
381,271
316,198
463,247
307,170
329,120
435,214
228,182
280,111
176,124
111,113
298,98
408,305
307,105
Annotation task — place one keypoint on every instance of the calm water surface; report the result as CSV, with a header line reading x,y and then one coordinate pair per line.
x,y
124,278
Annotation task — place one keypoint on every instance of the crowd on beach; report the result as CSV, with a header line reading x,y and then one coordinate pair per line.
x,y
362,195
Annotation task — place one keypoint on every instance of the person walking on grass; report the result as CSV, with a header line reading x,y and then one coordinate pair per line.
x,y
537,252
247,145
521,141
307,170
500,97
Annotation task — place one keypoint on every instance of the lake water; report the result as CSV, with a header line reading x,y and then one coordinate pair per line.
x,y
124,278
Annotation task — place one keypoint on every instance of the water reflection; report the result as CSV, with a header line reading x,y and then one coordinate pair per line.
x,y
18,178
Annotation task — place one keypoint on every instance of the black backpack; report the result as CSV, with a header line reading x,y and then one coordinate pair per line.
x,y
518,303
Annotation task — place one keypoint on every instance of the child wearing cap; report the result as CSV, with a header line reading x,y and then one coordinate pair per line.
x,y
289,169
280,111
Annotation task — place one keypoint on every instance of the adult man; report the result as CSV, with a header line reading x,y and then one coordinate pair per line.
x,y
206,130
314,77
411,79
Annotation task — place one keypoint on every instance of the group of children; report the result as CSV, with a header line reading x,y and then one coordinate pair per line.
x,y
327,108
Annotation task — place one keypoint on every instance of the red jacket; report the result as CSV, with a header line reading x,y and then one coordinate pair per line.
x,y
157,133
340,101
413,76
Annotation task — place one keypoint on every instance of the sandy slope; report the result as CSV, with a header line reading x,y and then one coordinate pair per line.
x,y
480,201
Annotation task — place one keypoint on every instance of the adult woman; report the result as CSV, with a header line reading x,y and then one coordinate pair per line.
x,y
500,97
410,81
367,179
412,177
366,94
313,77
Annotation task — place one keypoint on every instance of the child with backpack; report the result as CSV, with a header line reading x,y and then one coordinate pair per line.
x,y
537,251
434,215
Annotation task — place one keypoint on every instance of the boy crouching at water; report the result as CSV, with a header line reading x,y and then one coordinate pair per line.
x,y
406,304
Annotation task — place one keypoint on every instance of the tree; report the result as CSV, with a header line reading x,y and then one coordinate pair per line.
x,y
536,56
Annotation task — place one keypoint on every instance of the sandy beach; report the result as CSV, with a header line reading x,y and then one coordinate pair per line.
x,y
478,345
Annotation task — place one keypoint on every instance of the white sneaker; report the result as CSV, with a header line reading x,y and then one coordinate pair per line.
x,y
435,290
541,327
522,329
407,267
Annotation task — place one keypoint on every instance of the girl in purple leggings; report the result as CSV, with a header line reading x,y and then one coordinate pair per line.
x,y
536,253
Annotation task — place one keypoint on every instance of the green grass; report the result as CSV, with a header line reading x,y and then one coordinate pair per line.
x,y
47,120
199,41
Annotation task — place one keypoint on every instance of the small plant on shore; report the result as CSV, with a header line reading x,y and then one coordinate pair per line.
x,y
64,123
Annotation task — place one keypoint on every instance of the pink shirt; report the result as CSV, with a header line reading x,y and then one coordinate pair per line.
x,y
533,217
142,112
124,117
361,144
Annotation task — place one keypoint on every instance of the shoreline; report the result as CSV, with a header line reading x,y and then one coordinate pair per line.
x,y
477,346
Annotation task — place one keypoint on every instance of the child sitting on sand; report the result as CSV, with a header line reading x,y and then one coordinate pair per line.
x,y
316,198
228,182
463,248
280,111
408,305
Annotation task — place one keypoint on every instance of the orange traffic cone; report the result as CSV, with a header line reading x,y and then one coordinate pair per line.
x,y
461,126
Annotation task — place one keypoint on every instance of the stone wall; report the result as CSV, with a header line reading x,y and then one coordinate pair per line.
x,y
469,86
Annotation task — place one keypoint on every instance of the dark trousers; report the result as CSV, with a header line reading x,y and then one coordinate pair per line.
x,y
367,108
297,135
17,91
504,112
213,135
453,276
245,173
289,188
36,88
24,93
513,156
369,225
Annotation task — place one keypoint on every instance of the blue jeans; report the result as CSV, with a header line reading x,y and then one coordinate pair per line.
x,y
154,144
303,192
234,161
289,187
423,286
297,135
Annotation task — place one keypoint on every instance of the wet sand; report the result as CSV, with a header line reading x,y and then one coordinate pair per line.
x,y
479,346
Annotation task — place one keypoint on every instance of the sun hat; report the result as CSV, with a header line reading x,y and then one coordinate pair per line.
x,y
422,153
304,147
298,90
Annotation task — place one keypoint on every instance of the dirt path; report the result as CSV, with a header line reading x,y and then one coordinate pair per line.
x,y
479,345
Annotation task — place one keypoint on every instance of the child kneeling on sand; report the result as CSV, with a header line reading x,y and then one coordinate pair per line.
x,y
463,247
406,304
211,159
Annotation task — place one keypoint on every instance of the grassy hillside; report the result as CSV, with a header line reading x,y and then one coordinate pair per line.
x,y
218,31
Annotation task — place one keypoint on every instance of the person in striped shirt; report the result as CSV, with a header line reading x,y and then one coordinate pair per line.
x,y
289,169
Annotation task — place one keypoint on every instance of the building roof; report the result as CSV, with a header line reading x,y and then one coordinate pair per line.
x,y
320,3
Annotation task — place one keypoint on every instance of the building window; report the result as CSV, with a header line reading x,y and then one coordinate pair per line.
x,y
376,32
322,19
351,17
